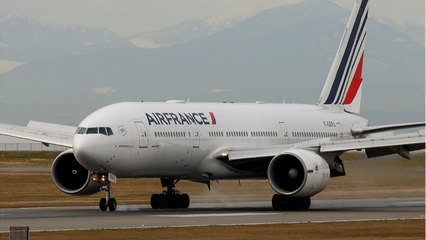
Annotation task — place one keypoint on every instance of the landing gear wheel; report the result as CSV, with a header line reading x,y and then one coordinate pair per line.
x,y
279,202
107,202
184,199
155,201
170,198
170,201
112,204
284,203
304,204
103,205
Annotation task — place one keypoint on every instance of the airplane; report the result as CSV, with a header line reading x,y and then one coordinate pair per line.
x,y
296,147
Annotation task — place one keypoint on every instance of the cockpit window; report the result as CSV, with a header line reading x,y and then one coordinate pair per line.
x,y
92,131
95,130
81,130
102,130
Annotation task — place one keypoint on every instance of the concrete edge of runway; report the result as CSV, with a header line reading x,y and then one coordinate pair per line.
x,y
225,225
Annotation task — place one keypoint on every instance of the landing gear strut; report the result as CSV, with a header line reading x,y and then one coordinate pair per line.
x,y
284,203
107,202
170,198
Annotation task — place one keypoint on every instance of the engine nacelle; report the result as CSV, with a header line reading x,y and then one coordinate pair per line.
x,y
298,173
72,178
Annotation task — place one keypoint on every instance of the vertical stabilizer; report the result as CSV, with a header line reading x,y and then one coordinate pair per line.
x,y
342,88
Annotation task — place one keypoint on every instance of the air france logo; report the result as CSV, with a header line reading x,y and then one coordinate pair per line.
x,y
181,118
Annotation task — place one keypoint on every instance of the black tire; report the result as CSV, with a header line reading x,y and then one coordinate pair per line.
x,y
304,203
169,201
155,201
112,204
299,204
284,203
280,202
162,201
185,200
172,201
103,205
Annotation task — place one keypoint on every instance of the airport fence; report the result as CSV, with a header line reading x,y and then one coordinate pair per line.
x,y
29,147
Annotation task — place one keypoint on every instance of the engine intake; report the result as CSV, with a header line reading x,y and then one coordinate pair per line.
x,y
298,173
72,178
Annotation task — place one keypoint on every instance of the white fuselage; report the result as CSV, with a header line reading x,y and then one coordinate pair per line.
x,y
179,140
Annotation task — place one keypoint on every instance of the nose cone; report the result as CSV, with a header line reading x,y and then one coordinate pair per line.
x,y
85,153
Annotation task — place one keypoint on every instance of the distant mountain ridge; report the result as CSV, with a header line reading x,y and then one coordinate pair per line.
x,y
23,39
283,53
182,33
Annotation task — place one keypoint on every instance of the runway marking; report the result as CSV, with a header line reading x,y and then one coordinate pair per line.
x,y
214,215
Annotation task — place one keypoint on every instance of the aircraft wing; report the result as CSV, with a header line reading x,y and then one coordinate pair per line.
x,y
46,133
379,143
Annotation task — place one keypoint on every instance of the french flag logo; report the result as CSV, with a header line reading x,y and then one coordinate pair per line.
x,y
213,118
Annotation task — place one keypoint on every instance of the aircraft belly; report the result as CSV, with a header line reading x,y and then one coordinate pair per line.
x,y
165,159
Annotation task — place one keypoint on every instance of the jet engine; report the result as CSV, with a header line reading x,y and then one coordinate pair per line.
x,y
298,173
72,178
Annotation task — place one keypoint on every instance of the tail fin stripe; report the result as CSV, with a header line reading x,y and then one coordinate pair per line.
x,y
354,66
351,65
343,63
356,82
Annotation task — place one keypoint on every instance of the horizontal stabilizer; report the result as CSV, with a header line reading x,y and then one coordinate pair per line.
x,y
374,129
380,144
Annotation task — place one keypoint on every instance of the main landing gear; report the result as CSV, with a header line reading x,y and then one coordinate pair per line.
x,y
170,198
284,203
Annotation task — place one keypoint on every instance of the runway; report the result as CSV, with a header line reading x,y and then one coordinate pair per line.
x,y
209,214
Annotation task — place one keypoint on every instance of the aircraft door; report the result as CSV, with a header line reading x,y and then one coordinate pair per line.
x,y
284,132
195,137
143,134
340,129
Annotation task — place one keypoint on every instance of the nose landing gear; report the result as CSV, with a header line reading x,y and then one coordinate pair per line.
x,y
106,203
170,198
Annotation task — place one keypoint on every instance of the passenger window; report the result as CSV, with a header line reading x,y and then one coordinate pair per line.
x,y
102,130
109,131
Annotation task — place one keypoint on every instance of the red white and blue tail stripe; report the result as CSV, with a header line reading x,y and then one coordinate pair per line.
x,y
343,86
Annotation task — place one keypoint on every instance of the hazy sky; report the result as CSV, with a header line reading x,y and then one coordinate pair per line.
x,y
131,17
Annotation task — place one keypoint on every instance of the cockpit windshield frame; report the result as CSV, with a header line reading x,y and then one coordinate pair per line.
x,y
107,131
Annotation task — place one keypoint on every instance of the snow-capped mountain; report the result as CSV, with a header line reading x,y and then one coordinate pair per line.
x,y
282,53
183,32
